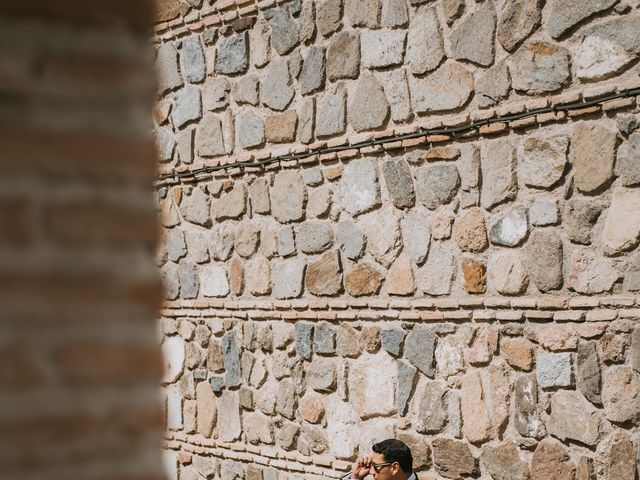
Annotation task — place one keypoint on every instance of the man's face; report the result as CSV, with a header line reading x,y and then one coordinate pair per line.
x,y
384,472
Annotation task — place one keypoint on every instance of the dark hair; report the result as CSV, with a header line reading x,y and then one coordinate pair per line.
x,y
395,451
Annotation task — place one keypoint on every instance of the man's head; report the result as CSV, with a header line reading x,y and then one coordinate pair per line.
x,y
392,460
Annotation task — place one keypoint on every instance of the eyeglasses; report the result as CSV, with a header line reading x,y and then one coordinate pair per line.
x,y
378,466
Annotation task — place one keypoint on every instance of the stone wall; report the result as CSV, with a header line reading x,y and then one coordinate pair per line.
x,y
411,219
79,294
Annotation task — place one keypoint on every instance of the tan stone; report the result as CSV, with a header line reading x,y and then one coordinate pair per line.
x,y
573,417
442,153
369,373
371,339
311,407
400,278
551,461
419,450
621,394
364,279
518,353
618,454
503,462
247,239
348,341
476,424
236,276
215,361
611,348
592,155
557,336
471,231
206,409
441,227
484,346
584,469
190,415
621,230
324,276
281,128
475,275
453,459
258,428
259,275
506,274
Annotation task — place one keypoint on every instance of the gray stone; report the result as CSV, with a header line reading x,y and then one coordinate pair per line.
x,y
209,139
368,106
588,378
314,236
287,276
635,349
539,67
313,71
416,235
189,283
295,63
232,204
510,229
573,417
437,185
284,30
580,215
231,356
392,340
286,241
406,382
397,177
432,408
543,212
286,438
166,144
214,281
425,47
564,14
249,130
304,333
517,19
382,48
306,120
176,245
592,154
330,112
276,90
216,93
627,124
350,239
359,189
543,160
382,229
288,196
435,277
469,167
396,88
245,90
528,421
233,55
448,88
230,470
343,56
452,9
362,13
628,162
184,146
598,58
260,43
307,22
395,14
619,454
324,338
473,38
328,16
196,208
499,180
286,400
320,200
259,194
590,273
167,67
419,349
632,275
554,370
222,240
543,259
321,375
494,85
192,62
198,248
187,106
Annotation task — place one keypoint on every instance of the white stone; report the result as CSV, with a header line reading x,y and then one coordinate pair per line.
x,y
229,426
543,212
213,281
621,230
342,427
435,276
416,234
373,373
543,160
382,229
425,49
382,48
174,408
597,58
359,188
173,354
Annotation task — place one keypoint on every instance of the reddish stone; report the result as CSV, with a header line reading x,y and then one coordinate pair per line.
x,y
475,275
364,279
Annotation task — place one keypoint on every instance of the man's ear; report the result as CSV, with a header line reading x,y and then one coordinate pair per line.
x,y
395,468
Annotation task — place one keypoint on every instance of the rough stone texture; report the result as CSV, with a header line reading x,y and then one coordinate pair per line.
x,y
367,372
233,55
400,278
331,112
473,37
590,273
343,56
359,189
382,229
396,89
628,161
588,377
621,394
621,230
187,106
416,235
324,276
363,279
592,154
564,14
499,178
281,128
554,370
431,408
314,236
551,460
510,229
286,241
368,106
573,417
406,381
543,259
399,183
276,90
232,203
425,47
436,275
539,67
528,421
448,88
284,30
453,459
246,239
470,231
287,277
381,48
516,21
350,239
213,281
362,13
419,349
328,16
474,273
287,196
258,275
580,215
543,212
229,425
249,130
503,462
543,160
304,333
313,70
245,90
494,85
167,67
437,185
619,453
209,138
236,276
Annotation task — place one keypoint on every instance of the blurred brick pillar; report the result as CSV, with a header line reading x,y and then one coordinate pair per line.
x,y
79,362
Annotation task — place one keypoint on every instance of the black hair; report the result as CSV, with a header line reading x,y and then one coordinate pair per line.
x,y
395,451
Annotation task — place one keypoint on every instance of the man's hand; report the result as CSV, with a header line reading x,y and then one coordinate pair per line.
x,y
361,468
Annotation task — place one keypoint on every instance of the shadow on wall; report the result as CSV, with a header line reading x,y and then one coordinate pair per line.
x,y
79,293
